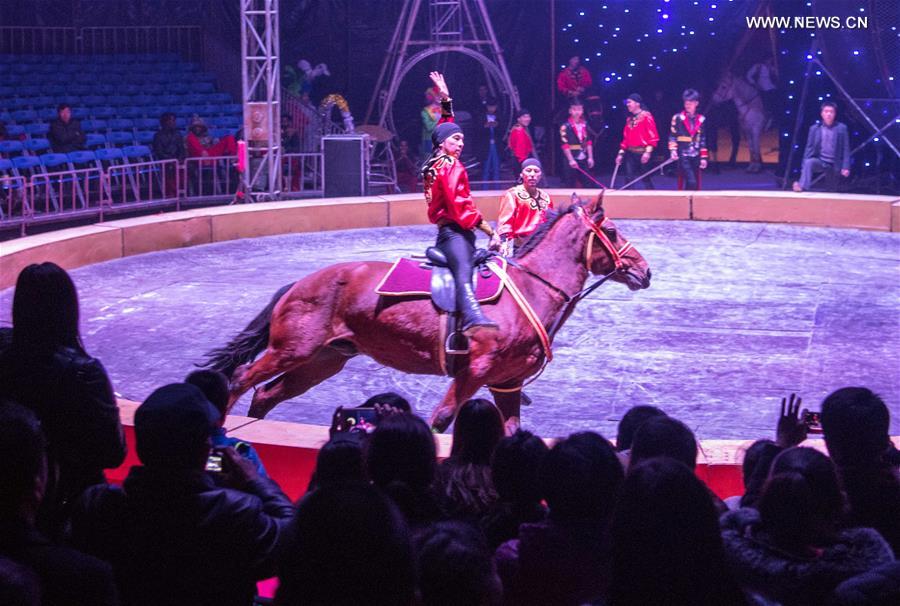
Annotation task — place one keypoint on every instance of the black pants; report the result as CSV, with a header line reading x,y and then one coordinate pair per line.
x,y
576,178
458,245
634,168
689,171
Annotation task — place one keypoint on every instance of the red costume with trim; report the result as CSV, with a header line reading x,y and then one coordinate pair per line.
x,y
447,186
521,213
569,81
520,142
639,134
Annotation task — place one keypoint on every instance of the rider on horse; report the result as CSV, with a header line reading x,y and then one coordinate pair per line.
x,y
522,208
451,208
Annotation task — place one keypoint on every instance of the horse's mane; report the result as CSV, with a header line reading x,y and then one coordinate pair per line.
x,y
541,232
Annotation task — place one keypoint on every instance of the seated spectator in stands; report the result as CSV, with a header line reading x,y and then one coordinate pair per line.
x,y
65,131
856,424
19,586
666,546
172,535
407,169
463,481
827,150
401,460
349,545
755,470
565,559
200,143
290,137
47,369
456,567
214,386
168,142
4,134
791,548
66,576
514,471
663,436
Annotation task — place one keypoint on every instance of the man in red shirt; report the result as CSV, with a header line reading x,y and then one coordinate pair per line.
x,y
576,146
638,140
574,79
520,142
451,208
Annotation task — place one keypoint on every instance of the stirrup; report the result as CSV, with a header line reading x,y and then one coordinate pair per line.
x,y
455,352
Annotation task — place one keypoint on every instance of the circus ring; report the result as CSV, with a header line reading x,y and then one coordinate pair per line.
x,y
754,295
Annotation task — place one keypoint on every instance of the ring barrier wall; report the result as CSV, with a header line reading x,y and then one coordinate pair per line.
x,y
289,449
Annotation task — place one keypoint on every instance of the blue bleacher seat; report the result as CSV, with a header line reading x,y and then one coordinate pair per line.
x,y
5,116
6,167
93,125
120,100
132,112
146,123
26,165
180,88
37,129
143,99
11,148
107,155
56,90
120,123
119,138
24,115
233,109
144,137
36,146
218,97
42,101
54,160
82,159
72,100
218,133
93,99
15,130
82,90
80,113
47,114
104,111
95,140
181,121
137,152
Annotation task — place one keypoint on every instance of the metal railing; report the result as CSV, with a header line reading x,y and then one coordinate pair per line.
x,y
137,184
184,40
14,202
38,40
69,193
210,178
302,173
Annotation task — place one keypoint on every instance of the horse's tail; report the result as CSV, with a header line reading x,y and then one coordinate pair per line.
x,y
247,343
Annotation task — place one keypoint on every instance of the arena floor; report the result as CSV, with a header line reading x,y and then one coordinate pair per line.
x,y
738,315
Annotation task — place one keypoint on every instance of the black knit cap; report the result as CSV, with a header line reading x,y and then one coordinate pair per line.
x,y
172,424
442,131
636,98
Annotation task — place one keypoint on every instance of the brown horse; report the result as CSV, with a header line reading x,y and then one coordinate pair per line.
x,y
311,328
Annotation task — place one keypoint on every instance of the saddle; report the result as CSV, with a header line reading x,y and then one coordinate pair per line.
x,y
429,276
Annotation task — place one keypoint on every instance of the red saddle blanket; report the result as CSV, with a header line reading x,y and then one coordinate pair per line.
x,y
411,278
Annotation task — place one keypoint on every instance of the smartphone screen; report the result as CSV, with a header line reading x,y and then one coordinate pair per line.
x,y
214,463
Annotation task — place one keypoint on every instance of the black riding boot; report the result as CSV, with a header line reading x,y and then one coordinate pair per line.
x,y
468,306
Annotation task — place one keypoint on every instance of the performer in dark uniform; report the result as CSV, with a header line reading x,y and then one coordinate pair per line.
x,y
639,137
687,141
576,146
451,208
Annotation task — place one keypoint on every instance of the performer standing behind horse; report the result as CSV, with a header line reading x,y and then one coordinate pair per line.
x,y
576,146
638,139
451,208
687,141
522,208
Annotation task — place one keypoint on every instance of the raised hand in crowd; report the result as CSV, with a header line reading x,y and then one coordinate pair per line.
x,y
791,429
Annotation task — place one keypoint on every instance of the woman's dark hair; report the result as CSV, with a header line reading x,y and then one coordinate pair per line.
x,y
580,478
348,545
22,451
340,460
514,467
45,310
391,399
476,432
213,384
666,546
664,437
631,420
456,567
401,449
755,468
801,502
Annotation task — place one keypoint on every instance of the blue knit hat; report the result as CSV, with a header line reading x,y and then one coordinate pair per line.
x,y
442,131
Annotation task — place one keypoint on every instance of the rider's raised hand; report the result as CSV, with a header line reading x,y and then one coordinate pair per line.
x,y
438,79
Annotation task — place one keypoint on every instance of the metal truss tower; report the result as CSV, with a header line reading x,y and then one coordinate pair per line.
x,y
261,88
430,27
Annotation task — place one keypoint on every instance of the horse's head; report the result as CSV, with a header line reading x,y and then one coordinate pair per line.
x,y
724,91
607,251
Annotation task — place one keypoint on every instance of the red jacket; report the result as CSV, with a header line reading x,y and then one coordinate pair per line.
x,y
640,131
520,214
520,142
447,193
568,82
